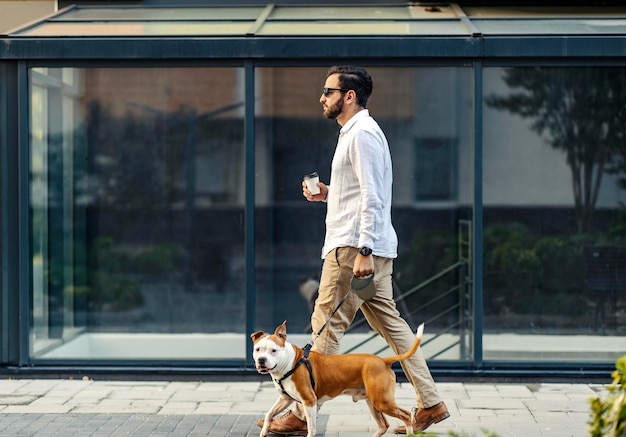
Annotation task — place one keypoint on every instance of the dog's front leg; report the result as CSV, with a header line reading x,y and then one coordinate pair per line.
x,y
310,412
281,403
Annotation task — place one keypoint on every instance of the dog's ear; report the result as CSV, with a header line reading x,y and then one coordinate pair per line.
x,y
257,335
281,331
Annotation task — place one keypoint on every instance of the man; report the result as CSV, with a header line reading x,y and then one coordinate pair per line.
x,y
360,240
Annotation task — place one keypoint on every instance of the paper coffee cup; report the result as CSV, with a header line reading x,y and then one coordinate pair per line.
x,y
311,182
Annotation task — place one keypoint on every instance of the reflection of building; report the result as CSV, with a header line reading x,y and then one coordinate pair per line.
x,y
169,90
16,13
151,190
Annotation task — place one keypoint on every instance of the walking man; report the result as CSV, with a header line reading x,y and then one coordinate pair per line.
x,y
360,240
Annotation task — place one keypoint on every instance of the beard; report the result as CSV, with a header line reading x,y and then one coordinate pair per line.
x,y
333,112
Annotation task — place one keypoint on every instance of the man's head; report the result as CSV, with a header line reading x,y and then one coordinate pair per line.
x,y
356,79
345,85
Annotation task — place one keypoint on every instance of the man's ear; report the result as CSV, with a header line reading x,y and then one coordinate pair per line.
x,y
351,95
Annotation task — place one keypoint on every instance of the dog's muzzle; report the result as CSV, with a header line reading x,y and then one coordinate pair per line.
x,y
261,366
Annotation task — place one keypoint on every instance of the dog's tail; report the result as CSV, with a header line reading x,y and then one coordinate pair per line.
x,y
418,339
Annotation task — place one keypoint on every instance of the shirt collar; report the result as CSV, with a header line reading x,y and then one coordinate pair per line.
x,y
356,117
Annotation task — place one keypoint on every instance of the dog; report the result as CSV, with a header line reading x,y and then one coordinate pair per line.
x,y
312,381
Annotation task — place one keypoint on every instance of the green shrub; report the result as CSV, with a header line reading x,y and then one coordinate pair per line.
x,y
161,259
115,293
608,416
532,275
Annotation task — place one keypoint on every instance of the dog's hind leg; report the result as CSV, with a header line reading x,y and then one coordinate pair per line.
x,y
393,410
380,419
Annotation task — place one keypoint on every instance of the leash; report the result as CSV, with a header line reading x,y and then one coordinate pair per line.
x,y
310,343
305,358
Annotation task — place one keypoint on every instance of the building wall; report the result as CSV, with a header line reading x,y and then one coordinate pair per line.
x,y
16,13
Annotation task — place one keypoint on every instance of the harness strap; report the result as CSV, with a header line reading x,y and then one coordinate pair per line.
x,y
305,360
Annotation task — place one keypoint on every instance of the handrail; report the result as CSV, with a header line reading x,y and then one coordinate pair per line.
x,y
416,289
430,280
463,267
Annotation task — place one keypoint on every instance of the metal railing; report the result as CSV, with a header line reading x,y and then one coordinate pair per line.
x,y
463,307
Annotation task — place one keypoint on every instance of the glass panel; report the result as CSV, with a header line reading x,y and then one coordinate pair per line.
x,y
241,28
160,14
550,27
543,11
554,218
415,107
39,210
139,28
364,28
417,11
137,213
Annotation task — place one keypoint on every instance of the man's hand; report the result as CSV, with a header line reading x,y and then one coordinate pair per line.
x,y
315,197
363,265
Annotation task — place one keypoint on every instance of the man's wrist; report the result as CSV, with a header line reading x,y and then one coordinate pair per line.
x,y
365,251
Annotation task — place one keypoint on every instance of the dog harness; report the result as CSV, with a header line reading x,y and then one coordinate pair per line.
x,y
305,360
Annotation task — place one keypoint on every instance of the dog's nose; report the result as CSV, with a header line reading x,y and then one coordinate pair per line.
x,y
261,360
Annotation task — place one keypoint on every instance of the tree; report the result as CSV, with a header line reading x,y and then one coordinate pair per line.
x,y
581,111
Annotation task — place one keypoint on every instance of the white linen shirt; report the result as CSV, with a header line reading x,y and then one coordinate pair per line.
x,y
359,193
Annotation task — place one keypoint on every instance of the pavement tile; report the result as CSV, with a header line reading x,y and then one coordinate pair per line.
x,y
547,406
14,399
492,404
75,408
514,391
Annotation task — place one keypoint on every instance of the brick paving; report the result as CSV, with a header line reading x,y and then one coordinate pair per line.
x,y
77,408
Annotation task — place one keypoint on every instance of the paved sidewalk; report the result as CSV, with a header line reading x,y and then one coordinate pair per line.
x,y
76,408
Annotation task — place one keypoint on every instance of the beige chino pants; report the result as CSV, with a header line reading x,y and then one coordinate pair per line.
x,y
380,312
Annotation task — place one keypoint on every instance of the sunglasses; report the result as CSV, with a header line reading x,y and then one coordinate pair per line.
x,y
326,91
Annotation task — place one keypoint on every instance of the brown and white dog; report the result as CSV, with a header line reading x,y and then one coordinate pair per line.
x,y
362,376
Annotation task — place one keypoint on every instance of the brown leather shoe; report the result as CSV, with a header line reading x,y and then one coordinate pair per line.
x,y
288,424
424,417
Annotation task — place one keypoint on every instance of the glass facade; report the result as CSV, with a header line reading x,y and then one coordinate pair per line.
x,y
136,211
554,231
138,205
151,172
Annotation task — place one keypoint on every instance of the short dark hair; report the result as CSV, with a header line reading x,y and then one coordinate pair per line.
x,y
356,79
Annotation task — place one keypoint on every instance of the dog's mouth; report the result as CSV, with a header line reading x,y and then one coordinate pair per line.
x,y
264,369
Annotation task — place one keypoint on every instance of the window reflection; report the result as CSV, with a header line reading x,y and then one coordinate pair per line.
x,y
137,210
554,196
421,110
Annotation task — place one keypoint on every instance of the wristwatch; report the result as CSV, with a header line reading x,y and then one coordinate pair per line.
x,y
365,251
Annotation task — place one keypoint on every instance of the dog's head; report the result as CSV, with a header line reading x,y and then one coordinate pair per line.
x,y
270,351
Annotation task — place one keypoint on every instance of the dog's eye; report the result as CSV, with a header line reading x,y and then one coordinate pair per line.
x,y
257,349
273,351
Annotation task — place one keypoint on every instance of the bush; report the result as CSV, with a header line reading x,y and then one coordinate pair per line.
x,y
161,259
532,275
112,269
608,416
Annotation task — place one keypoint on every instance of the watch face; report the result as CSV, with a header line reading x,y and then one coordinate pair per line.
x,y
365,251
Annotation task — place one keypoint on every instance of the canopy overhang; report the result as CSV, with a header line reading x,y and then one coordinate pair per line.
x,y
317,31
